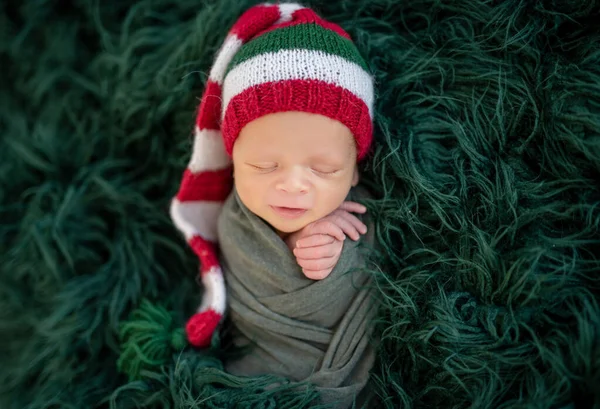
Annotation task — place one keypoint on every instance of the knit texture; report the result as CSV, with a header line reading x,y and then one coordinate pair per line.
x,y
304,64
275,58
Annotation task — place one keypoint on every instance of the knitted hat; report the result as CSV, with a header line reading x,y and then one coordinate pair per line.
x,y
275,58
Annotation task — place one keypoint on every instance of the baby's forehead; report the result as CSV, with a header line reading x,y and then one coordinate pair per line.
x,y
291,136
309,154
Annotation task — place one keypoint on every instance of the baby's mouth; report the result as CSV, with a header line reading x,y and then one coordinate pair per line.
x,y
288,212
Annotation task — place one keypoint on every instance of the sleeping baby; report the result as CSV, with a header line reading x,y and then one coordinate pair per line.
x,y
270,196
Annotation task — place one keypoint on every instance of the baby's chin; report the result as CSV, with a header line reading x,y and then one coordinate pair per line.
x,y
288,226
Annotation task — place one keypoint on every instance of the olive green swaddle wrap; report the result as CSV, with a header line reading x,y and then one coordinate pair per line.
x,y
305,330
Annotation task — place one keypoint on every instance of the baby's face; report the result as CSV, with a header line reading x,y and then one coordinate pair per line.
x,y
292,168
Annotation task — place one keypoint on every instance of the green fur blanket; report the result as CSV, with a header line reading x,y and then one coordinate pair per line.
x,y
487,203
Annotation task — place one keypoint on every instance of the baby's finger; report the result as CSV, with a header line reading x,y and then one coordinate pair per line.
x,y
353,207
325,227
317,275
315,253
316,265
358,225
339,217
315,240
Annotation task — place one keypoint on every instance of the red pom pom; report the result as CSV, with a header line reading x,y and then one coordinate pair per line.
x,y
201,327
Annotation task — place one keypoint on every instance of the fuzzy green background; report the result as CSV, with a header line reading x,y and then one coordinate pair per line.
x,y
487,170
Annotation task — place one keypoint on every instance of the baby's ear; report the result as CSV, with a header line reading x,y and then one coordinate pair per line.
x,y
355,177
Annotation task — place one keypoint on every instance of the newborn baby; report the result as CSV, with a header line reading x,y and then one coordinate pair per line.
x,y
286,115
293,173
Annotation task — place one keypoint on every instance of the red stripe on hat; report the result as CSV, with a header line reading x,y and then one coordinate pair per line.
x,y
313,96
201,326
254,20
210,108
213,186
206,252
306,16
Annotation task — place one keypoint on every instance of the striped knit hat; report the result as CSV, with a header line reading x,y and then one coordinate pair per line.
x,y
275,58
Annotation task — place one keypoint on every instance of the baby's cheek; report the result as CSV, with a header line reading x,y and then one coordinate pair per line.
x,y
249,191
332,196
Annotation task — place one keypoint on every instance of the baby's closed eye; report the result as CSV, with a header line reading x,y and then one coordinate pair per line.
x,y
326,170
263,167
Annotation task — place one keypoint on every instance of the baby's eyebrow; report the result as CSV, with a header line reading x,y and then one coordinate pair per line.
x,y
329,157
330,162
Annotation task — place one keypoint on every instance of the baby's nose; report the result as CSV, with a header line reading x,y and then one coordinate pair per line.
x,y
293,182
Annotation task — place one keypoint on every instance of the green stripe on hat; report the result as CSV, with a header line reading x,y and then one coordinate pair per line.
x,y
309,36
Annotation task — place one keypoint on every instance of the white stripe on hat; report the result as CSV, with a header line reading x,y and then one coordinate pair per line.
x,y
196,218
286,10
230,46
214,297
208,153
298,64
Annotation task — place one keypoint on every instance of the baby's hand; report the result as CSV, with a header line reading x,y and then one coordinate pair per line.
x,y
318,246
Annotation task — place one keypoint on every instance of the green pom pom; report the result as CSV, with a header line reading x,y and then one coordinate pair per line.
x,y
148,339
